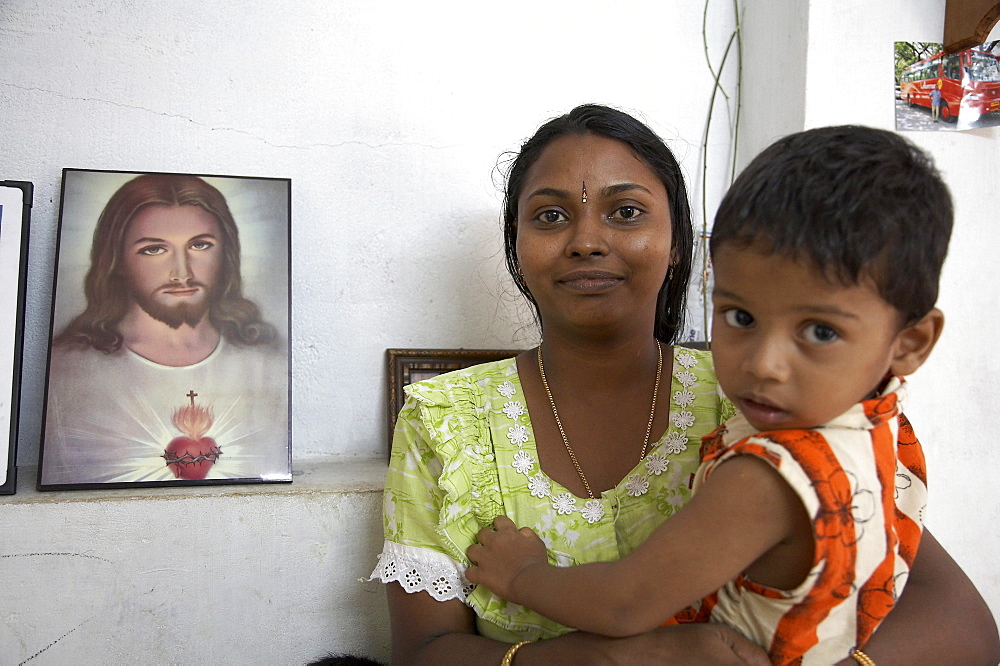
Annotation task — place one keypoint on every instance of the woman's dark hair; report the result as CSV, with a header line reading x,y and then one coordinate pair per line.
x,y
647,146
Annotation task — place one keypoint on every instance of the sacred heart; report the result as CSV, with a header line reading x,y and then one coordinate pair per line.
x,y
191,456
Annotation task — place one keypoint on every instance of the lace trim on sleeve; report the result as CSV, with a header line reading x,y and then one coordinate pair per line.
x,y
422,570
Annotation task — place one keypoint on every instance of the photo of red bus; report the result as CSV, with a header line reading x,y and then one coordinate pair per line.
x,y
969,81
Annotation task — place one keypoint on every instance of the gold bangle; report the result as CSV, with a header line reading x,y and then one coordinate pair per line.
x,y
860,657
508,658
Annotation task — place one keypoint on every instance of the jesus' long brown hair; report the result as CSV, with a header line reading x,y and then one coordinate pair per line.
x,y
236,318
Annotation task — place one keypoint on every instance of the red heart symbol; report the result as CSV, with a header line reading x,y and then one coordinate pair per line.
x,y
190,458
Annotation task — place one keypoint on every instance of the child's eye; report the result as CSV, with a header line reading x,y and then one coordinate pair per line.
x,y
626,213
738,318
820,334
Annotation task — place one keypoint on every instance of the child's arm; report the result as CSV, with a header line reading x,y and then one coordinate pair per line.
x,y
744,514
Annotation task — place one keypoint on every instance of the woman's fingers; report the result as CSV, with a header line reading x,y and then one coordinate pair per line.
x,y
503,523
500,524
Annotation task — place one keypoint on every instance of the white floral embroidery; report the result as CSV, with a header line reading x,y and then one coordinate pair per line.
x,y
686,378
593,511
442,587
418,569
564,503
513,409
687,360
523,462
637,485
684,398
540,486
656,463
675,443
683,420
517,434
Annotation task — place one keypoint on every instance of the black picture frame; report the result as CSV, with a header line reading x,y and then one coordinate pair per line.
x,y
169,359
406,366
16,197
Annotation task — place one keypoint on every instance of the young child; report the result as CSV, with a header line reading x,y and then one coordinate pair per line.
x,y
808,504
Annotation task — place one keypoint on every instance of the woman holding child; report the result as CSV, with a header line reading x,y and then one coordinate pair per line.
x,y
592,438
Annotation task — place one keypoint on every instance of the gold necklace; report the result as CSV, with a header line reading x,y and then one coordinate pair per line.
x,y
555,413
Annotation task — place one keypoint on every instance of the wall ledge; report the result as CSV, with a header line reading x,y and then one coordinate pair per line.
x,y
327,476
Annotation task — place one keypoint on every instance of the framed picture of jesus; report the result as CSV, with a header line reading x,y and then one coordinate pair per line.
x,y
169,356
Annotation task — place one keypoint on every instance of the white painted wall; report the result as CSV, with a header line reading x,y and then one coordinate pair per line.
x,y
208,575
388,117
776,35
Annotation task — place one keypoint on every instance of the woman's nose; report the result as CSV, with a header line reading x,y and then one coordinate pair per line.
x,y
588,237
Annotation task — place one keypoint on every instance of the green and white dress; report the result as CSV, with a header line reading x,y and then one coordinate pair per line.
x,y
464,452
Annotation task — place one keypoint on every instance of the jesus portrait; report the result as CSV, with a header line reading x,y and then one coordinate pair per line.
x,y
169,347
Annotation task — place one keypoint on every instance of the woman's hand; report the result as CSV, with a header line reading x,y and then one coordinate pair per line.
x,y
502,554
708,644
694,644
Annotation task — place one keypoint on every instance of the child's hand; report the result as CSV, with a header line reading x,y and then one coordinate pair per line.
x,y
502,554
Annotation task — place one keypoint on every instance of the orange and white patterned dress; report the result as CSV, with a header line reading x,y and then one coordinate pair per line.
x,y
862,480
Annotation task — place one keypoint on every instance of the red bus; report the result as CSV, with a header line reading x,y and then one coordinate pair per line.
x,y
980,94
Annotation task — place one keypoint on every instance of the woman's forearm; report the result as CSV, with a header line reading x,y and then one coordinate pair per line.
x,y
940,618
425,631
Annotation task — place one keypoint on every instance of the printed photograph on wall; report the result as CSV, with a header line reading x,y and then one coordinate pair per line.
x,y
15,213
169,357
947,91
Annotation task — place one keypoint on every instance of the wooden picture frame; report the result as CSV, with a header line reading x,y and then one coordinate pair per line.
x,y
15,216
406,366
170,349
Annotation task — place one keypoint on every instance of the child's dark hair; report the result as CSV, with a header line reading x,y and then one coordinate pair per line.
x,y
860,203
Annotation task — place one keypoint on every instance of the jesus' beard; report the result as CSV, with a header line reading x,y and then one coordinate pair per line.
x,y
176,315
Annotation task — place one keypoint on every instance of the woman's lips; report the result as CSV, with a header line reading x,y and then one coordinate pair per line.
x,y
590,281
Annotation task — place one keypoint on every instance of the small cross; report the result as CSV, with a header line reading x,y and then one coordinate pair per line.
x,y
191,394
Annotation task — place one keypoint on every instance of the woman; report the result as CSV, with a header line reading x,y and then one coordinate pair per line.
x,y
591,438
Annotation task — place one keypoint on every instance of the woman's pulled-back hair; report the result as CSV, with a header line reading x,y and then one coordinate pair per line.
x,y
237,319
647,146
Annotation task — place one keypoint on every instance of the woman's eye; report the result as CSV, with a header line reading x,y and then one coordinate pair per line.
x,y
820,334
152,250
202,245
551,216
738,318
627,213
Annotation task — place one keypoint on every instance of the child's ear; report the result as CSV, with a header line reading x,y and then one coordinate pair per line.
x,y
914,343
